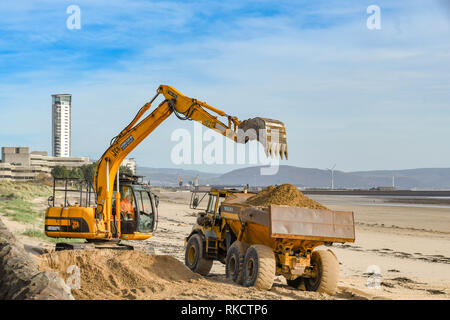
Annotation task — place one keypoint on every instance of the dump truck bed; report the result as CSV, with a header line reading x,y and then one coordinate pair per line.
x,y
286,222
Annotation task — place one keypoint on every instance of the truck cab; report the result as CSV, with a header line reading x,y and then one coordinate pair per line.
x,y
211,227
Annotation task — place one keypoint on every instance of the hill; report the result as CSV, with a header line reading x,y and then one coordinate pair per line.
x,y
425,178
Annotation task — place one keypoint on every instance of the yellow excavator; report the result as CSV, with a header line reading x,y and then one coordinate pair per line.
x,y
126,209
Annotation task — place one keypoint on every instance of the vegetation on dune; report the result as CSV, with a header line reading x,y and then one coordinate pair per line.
x,y
23,190
15,201
20,210
34,233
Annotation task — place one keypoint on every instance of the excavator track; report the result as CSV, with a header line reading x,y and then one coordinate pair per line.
x,y
113,245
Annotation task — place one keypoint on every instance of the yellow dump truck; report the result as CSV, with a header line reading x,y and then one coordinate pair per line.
x,y
258,243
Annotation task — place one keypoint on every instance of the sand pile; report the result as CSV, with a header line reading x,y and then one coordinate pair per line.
x,y
124,275
285,194
120,274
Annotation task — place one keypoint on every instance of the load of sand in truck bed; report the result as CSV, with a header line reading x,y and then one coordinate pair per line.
x,y
285,194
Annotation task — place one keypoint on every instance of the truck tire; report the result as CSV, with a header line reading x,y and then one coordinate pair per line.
x,y
234,263
193,257
326,268
259,267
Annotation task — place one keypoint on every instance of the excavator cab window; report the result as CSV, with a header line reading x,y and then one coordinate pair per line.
x,y
147,208
137,209
127,204
128,209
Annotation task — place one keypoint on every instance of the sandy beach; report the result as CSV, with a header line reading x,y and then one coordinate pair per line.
x,y
400,252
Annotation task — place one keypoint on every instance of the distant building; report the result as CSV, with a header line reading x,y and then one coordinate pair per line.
x,y
62,125
17,156
19,164
130,163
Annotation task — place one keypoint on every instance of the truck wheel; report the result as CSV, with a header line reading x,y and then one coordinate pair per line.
x,y
259,267
234,262
193,257
326,270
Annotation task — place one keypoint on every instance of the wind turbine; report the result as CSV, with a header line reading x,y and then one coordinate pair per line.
x,y
332,176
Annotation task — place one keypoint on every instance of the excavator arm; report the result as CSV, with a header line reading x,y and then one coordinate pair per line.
x,y
271,133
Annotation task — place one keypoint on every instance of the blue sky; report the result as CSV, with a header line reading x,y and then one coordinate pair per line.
x,y
363,99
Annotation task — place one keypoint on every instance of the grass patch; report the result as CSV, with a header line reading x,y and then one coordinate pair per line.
x,y
15,197
34,233
20,210
24,190
15,204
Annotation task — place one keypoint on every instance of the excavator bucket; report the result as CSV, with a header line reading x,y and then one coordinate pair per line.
x,y
270,133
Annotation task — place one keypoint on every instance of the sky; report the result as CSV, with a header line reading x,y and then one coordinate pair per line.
x,y
360,98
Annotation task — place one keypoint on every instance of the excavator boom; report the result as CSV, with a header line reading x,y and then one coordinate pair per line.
x,y
271,133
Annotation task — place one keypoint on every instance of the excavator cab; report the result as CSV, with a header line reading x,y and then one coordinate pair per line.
x,y
138,207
